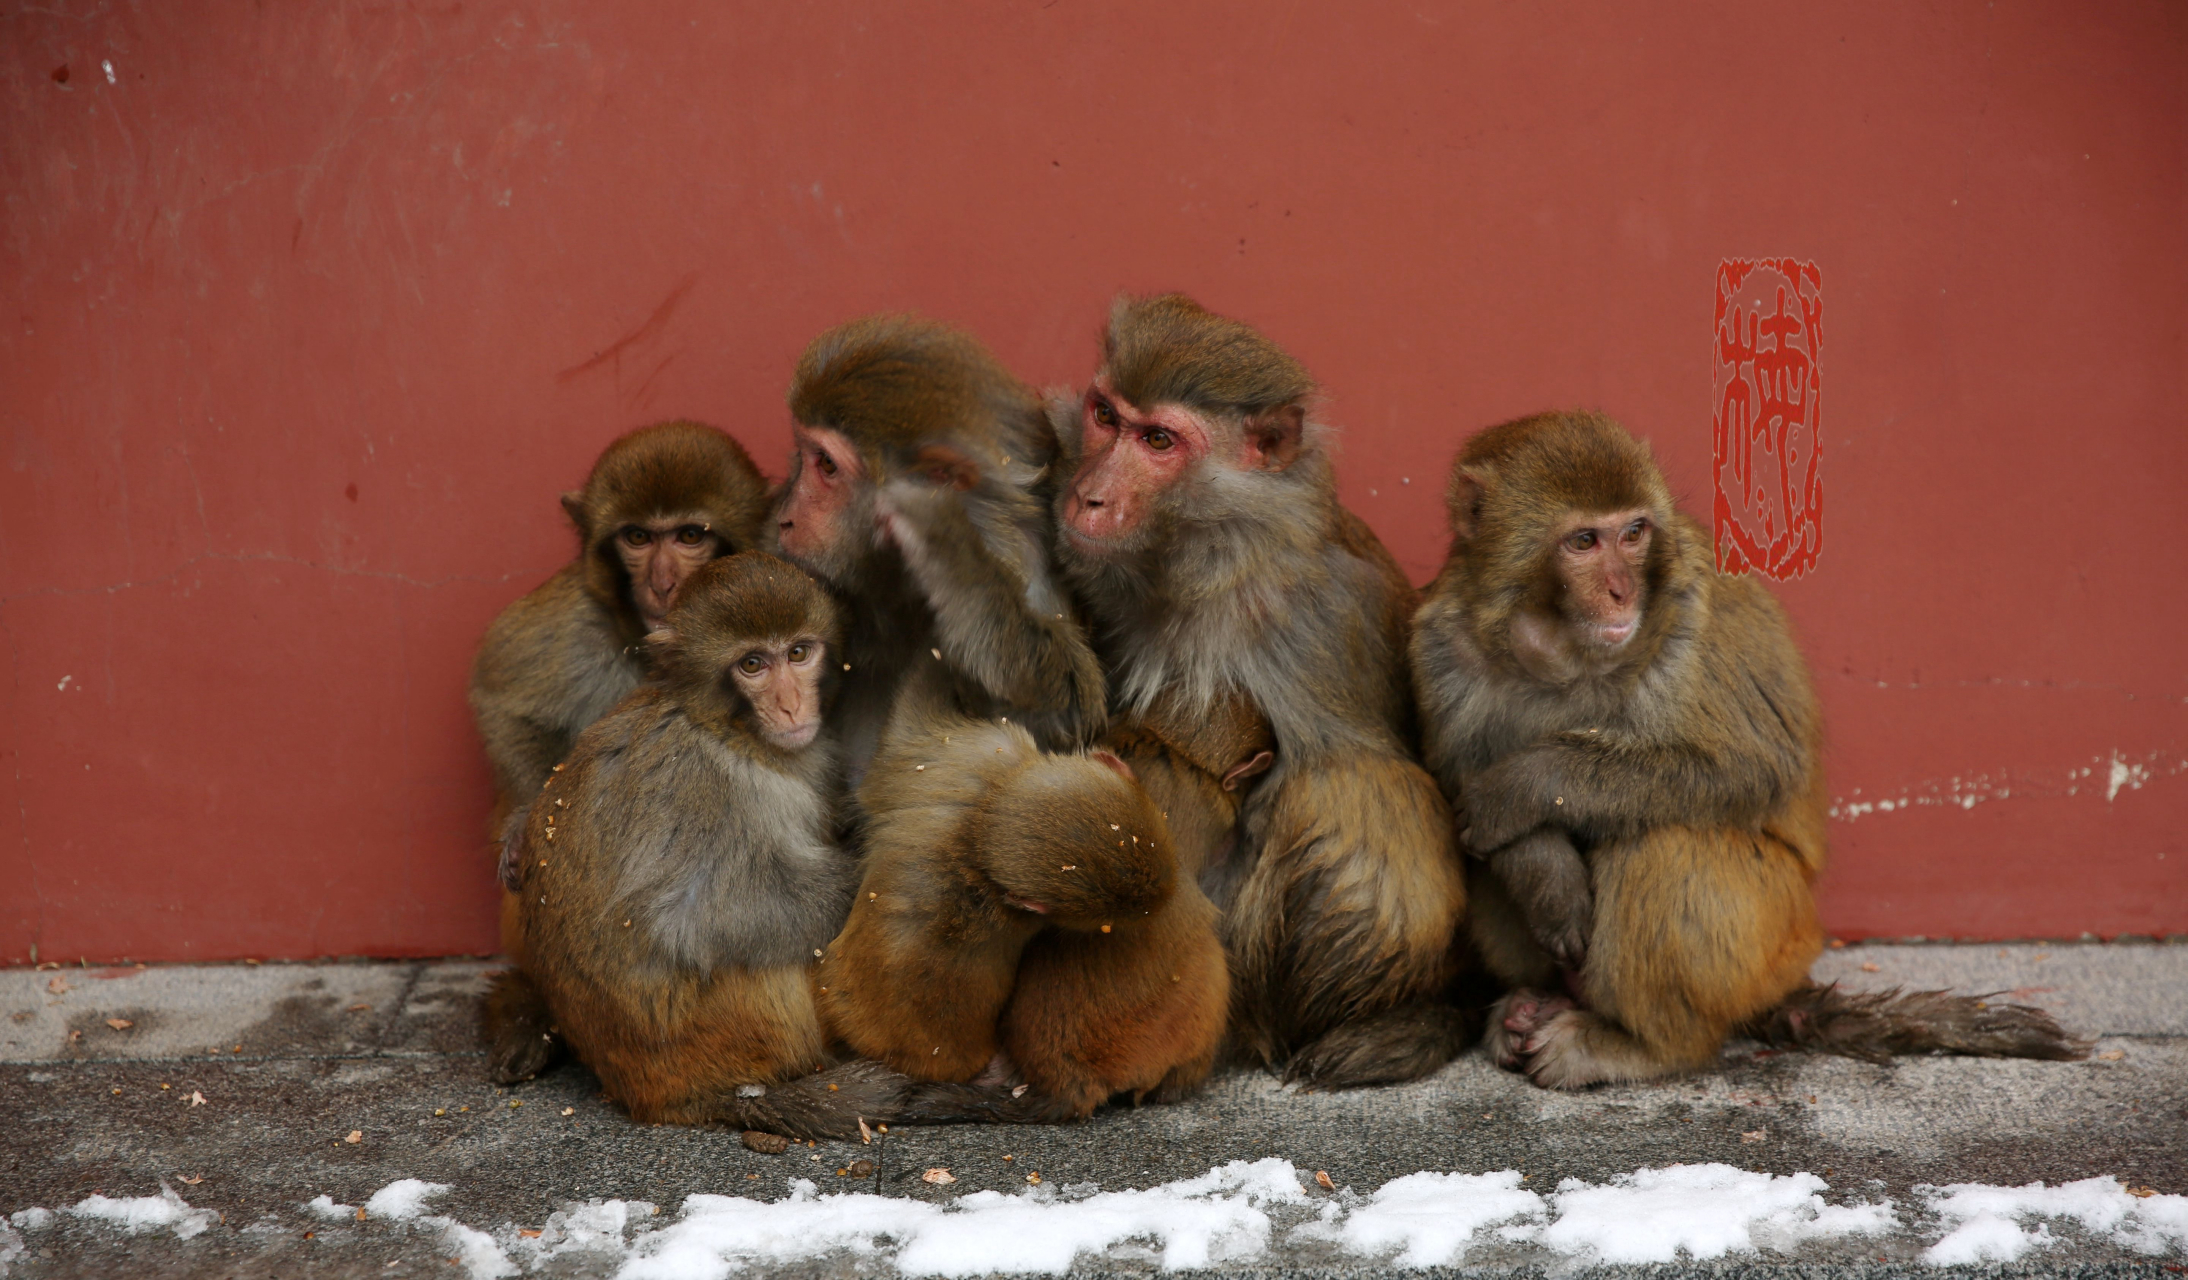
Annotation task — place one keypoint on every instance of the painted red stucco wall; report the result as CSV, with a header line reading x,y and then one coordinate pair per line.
x,y
313,308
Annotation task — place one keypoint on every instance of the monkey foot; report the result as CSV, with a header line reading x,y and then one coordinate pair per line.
x,y
1514,1020
1557,1057
1000,1071
521,1056
519,1030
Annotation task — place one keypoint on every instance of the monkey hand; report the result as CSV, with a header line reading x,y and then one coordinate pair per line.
x,y
1510,799
911,516
511,866
1548,881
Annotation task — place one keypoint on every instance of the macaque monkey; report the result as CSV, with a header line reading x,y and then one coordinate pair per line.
x,y
677,878
919,492
1226,585
1633,743
660,502
1023,904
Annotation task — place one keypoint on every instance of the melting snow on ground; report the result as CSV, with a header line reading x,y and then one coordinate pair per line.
x,y
1236,1214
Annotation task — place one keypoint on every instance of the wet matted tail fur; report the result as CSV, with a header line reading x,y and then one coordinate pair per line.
x,y
1877,1025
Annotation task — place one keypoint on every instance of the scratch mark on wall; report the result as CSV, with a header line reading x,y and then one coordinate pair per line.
x,y
2123,774
653,325
2119,773
174,576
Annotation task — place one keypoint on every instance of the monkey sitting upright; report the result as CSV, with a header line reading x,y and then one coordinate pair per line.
x,y
677,877
1027,904
660,501
1632,742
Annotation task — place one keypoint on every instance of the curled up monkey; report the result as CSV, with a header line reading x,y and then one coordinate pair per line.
x,y
677,877
1633,746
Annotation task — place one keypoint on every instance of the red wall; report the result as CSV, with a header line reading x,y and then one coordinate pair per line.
x,y
313,308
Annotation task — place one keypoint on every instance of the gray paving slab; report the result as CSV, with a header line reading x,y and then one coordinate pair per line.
x,y
119,1118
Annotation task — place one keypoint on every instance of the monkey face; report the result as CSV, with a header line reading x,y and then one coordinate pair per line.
x,y
745,650
658,554
780,681
1128,459
825,520
1602,560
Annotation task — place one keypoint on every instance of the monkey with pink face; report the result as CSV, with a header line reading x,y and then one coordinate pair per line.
x,y
1636,748
1253,631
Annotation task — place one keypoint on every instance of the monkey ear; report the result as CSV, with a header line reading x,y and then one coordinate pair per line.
x,y
1469,485
1111,760
1244,769
573,506
1273,438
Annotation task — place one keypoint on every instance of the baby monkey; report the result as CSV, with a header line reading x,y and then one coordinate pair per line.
x,y
1022,916
678,876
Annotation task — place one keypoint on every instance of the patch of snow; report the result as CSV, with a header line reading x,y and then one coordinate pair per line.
x,y
11,1247
1702,1210
1430,1218
597,1226
1216,1218
147,1213
326,1208
1985,1221
475,1250
33,1219
401,1200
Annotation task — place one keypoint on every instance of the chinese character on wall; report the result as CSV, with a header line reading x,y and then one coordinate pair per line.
x,y
1769,483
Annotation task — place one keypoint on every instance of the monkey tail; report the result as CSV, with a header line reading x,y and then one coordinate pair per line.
x,y
826,1104
1876,1025
831,1103
930,1102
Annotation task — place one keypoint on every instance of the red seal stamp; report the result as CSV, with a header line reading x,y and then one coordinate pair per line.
x,y
1769,483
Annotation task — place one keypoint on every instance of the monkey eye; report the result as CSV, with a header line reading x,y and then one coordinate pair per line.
x,y
637,537
801,653
691,535
826,464
752,664
1159,440
1104,414
1635,531
1584,540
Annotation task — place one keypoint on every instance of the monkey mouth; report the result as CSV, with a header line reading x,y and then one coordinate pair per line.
x,y
1026,904
796,735
1613,634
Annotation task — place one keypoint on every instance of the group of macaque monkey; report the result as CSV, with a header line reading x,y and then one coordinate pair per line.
x,y
1022,754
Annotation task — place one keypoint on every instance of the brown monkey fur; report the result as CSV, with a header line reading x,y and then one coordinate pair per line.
x,y
1198,769
1023,903
919,492
558,658
1200,525
1633,741
678,878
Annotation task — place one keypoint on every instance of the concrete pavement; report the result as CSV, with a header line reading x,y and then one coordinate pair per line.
x,y
247,1091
